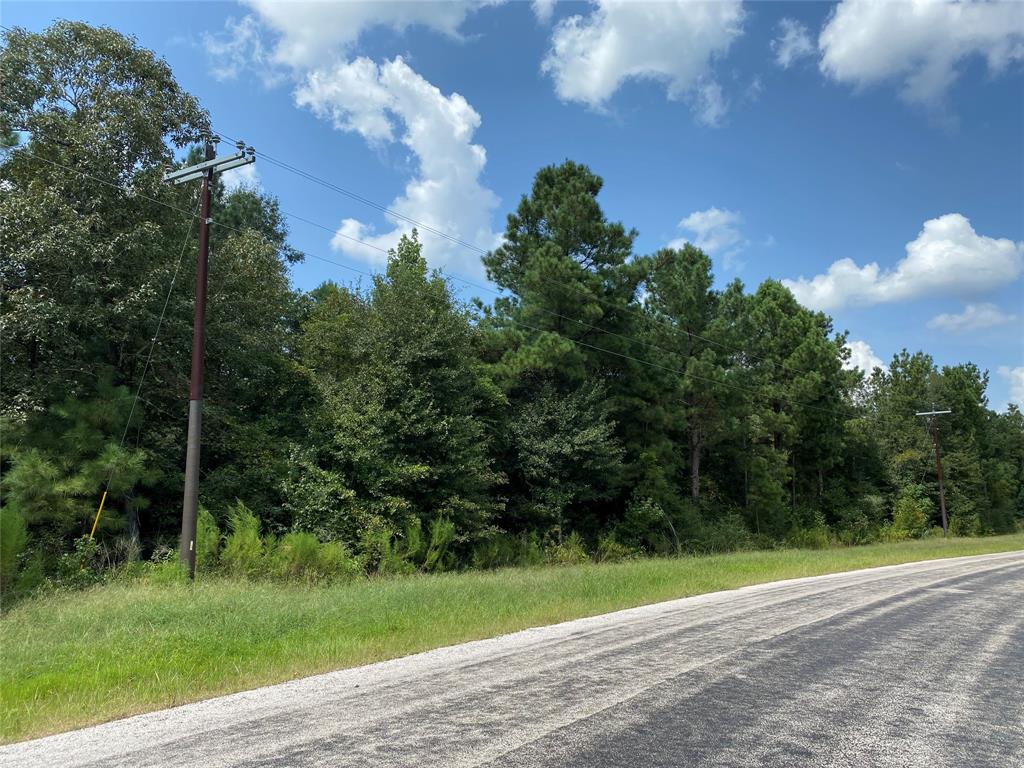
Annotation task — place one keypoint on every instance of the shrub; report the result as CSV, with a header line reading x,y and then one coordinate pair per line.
x,y
78,568
243,550
337,563
966,525
910,514
208,541
301,557
13,537
442,534
296,556
502,550
809,538
729,534
569,551
378,552
609,550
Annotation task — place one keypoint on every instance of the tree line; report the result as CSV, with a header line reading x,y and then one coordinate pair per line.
x,y
607,401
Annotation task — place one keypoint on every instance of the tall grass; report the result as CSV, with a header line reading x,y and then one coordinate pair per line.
x,y
73,659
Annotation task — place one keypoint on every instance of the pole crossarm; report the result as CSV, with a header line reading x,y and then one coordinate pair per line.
x,y
217,164
932,413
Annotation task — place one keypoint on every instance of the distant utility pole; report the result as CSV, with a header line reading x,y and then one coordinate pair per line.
x,y
933,423
204,171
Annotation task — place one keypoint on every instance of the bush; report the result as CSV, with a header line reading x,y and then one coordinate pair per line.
x,y
809,538
13,537
730,534
609,550
910,514
301,557
78,568
208,541
569,551
378,552
337,563
442,534
966,525
502,551
243,548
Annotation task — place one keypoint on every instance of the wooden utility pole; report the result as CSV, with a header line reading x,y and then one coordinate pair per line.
x,y
934,425
190,505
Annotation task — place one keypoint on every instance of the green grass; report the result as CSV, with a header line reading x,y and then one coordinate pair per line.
x,y
75,659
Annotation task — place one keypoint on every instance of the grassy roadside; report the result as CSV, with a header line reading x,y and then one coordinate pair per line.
x,y
76,659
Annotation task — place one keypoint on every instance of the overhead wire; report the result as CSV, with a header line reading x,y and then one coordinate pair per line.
x,y
480,251
145,368
281,248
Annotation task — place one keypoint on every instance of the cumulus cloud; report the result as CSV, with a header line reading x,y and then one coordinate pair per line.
x,y
920,44
309,44
238,48
947,258
379,101
792,44
543,9
716,233
243,176
673,42
1016,379
973,318
309,34
862,357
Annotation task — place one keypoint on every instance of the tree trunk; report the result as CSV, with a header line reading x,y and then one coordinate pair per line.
x,y
696,448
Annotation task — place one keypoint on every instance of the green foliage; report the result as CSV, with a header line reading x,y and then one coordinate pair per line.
x,y
438,556
609,550
966,525
80,566
242,555
208,541
502,550
570,551
911,514
301,557
13,538
619,396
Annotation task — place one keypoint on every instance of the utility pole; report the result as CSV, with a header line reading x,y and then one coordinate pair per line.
x,y
934,424
205,171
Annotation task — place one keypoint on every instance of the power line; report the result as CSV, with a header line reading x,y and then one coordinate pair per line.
x,y
145,367
574,286
281,248
360,198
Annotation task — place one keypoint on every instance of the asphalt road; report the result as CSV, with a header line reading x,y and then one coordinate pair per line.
x,y
915,665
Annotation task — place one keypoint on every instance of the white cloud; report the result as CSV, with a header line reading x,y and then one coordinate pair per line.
x,y
312,34
792,44
862,357
717,234
947,258
921,44
1016,378
710,104
376,101
243,176
973,318
239,48
543,9
309,44
674,42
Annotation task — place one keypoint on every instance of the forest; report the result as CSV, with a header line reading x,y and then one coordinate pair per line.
x,y
607,404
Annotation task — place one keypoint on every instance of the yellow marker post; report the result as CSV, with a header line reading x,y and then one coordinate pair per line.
x,y
98,513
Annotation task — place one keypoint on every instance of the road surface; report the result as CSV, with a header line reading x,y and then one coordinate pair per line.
x,y
914,665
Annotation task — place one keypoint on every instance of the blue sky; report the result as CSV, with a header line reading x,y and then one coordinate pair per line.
x,y
799,141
